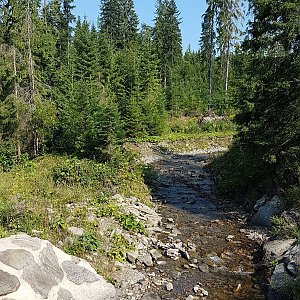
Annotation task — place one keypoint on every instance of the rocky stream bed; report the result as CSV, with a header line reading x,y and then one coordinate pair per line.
x,y
201,248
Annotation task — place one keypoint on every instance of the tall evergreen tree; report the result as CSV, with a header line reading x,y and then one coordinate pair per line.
x,y
167,37
230,13
208,40
119,20
270,108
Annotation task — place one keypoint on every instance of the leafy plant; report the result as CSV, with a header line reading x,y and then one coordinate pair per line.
x,y
86,243
283,229
74,171
119,247
130,223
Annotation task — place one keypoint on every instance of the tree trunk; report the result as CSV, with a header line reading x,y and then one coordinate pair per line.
x,y
15,72
45,11
227,66
30,59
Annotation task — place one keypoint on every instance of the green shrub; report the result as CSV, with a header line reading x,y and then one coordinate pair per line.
x,y
239,172
119,247
19,220
86,243
218,126
74,171
130,223
282,229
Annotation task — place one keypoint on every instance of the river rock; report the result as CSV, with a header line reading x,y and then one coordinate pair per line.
x,y
264,215
76,231
169,286
132,256
273,249
151,297
156,255
34,269
280,280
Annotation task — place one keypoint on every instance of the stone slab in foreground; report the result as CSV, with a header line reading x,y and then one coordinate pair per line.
x,y
34,269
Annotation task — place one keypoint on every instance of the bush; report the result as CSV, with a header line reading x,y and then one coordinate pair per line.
x,y
86,243
84,172
240,172
119,247
130,223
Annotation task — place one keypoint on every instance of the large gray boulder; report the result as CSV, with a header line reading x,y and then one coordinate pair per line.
x,y
31,268
275,249
264,215
280,281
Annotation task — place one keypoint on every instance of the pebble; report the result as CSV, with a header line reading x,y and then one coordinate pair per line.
x,y
169,286
196,289
229,238
203,292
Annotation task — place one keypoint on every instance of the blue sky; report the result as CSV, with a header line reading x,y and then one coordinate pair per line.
x,y
191,12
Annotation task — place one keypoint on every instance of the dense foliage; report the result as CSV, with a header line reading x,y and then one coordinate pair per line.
x,y
71,87
266,155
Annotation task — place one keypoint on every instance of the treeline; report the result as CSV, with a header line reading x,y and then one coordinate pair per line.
x,y
69,86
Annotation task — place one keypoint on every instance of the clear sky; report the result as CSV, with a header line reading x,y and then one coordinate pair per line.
x,y
191,12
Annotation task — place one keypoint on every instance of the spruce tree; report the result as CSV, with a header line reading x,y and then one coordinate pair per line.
x,y
167,40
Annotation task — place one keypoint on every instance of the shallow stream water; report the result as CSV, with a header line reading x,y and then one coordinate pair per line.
x,y
222,257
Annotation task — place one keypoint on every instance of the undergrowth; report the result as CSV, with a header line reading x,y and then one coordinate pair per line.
x,y
45,196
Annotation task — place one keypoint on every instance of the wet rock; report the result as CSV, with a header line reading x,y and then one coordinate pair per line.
x,y
203,268
169,286
215,260
8,283
185,255
277,248
203,292
264,215
196,289
280,280
229,238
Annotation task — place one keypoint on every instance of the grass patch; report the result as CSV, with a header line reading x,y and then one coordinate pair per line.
x,y
46,196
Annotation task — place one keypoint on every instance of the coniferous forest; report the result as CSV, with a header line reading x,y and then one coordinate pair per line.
x,y
71,87
74,87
